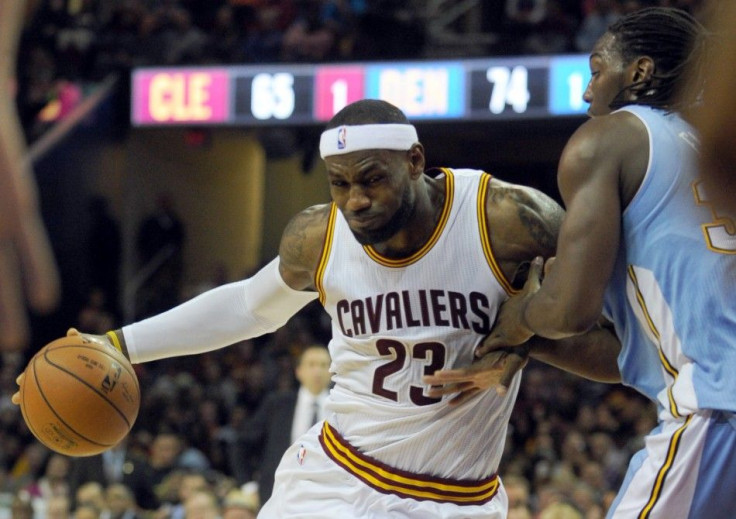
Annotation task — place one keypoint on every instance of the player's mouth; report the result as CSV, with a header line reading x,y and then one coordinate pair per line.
x,y
363,222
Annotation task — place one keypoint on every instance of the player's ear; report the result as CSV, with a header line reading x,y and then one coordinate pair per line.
x,y
642,69
417,160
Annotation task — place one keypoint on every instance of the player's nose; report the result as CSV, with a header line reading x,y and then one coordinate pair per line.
x,y
358,200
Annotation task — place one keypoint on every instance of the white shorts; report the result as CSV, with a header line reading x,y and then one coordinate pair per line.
x,y
309,484
685,471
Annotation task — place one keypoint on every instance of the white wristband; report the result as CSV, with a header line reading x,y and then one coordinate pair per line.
x,y
219,317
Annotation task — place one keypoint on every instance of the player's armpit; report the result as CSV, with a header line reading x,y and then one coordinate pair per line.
x,y
301,246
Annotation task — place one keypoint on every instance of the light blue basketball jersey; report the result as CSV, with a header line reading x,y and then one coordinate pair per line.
x,y
672,297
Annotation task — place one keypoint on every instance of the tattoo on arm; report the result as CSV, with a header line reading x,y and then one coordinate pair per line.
x,y
539,228
302,239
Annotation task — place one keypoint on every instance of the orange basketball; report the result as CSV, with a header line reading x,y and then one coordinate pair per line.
x,y
79,398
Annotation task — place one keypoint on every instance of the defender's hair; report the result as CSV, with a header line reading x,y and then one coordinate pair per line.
x,y
669,36
368,111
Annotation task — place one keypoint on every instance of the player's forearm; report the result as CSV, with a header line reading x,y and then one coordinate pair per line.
x,y
593,355
548,316
215,319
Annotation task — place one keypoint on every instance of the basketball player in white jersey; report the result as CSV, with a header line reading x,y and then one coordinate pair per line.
x,y
643,243
411,266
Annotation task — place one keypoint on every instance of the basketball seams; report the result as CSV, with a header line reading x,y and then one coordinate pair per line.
x,y
84,382
51,408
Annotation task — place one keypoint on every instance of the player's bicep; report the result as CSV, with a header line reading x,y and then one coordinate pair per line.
x,y
525,224
590,232
301,247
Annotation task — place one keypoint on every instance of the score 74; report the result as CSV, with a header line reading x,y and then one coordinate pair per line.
x,y
509,86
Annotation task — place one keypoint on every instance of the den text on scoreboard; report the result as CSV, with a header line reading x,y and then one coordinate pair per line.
x,y
471,90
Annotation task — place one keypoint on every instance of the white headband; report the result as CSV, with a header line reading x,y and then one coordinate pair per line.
x,y
346,139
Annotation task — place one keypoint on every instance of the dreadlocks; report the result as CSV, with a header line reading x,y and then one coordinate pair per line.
x,y
668,36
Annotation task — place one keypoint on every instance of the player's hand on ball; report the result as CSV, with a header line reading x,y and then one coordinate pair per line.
x,y
495,369
100,340
16,396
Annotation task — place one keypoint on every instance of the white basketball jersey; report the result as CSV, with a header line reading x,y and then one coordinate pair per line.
x,y
395,320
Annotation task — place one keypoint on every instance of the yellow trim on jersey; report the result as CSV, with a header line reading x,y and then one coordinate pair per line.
x,y
114,340
664,469
404,262
669,368
485,237
382,479
326,248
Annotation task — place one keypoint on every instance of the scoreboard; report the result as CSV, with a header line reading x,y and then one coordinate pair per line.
x,y
534,87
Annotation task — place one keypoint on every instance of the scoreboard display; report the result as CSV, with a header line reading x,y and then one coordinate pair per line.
x,y
537,87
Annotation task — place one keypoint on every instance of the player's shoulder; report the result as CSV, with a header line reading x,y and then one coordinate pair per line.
x,y
609,135
522,219
301,242
506,196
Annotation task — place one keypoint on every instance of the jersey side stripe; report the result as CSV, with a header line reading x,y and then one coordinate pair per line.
x,y
326,248
663,358
484,236
403,262
664,470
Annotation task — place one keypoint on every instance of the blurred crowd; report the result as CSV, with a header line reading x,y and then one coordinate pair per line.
x,y
70,44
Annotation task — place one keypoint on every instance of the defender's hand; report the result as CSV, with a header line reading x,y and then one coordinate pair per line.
x,y
496,369
510,328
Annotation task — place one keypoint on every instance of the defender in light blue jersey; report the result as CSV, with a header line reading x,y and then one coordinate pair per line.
x,y
643,245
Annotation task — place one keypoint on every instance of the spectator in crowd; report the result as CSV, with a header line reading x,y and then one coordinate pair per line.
x,y
53,482
87,511
189,484
21,507
202,504
240,505
58,507
91,493
119,464
121,502
164,455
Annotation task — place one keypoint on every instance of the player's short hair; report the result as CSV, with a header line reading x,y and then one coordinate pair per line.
x,y
667,35
368,111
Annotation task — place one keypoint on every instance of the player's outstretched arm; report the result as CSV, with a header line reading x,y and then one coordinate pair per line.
x,y
236,311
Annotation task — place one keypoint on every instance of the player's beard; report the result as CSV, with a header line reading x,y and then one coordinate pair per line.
x,y
397,222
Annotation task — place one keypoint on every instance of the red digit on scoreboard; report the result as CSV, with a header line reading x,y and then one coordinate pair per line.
x,y
336,87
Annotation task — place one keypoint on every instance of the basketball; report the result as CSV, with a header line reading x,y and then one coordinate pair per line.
x,y
79,398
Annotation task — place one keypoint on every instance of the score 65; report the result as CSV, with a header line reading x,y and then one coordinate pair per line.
x,y
273,95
